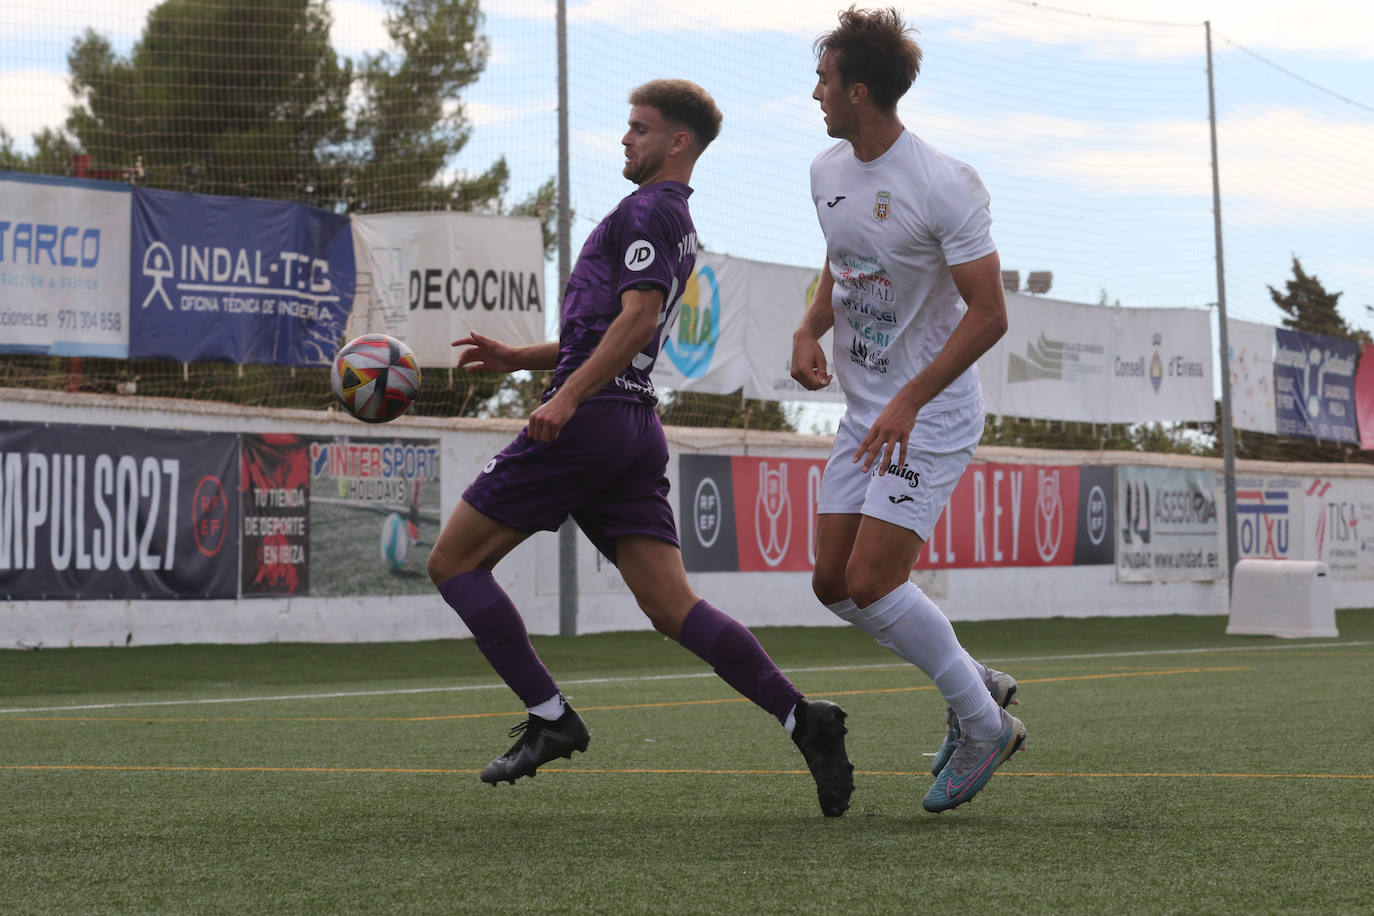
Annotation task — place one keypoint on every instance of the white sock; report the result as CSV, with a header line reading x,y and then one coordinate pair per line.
x,y
908,623
551,709
849,611
979,715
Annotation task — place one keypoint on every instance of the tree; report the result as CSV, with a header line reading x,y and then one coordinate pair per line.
x,y
1311,309
411,121
225,97
219,97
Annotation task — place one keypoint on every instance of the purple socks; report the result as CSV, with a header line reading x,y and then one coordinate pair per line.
x,y
734,654
727,646
500,634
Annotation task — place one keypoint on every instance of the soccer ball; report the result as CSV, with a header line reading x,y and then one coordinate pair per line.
x,y
375,377
395,540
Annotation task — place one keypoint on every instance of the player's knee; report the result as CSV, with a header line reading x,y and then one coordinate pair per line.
x,y
829,589
666,619
865,585
440,567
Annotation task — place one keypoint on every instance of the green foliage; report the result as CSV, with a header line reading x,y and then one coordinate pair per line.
x,y
224,97
1311,309
219,97
1166,438
725,411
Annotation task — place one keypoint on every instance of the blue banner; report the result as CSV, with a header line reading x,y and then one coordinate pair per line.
x,y
92,512
236,279
1314,386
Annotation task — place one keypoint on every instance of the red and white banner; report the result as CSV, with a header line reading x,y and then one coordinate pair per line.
x,y
757,514
1364,396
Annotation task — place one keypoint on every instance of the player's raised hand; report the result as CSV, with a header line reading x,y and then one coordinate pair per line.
x,y
808,363
486,355
888,437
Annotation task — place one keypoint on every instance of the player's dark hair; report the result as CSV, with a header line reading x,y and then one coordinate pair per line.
x,y
876,48
682,102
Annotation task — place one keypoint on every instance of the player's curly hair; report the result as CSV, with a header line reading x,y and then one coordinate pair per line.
x,y
682,102
876,48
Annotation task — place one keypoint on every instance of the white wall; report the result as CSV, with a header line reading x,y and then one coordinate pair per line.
x,y
530,573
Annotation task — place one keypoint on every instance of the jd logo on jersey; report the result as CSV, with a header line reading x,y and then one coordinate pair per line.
x,y
639,255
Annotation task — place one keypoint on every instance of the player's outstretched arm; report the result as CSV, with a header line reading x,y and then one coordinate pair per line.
x,y
485,354
808,356
631,332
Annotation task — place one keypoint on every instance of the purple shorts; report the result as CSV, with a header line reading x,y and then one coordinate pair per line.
x,y
607,469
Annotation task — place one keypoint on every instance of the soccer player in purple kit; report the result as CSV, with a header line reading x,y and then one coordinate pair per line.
x,y
594,449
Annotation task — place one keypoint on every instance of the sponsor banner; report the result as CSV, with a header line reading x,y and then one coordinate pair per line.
x,y
338,516
1162,365
1364,396
431,278
734,330
1269,518
1095,542
64,266
374,515
1329,520
1054,362
276,515
706,519
1066,361
1338,526
236,279
758,515
1167,525
1314,386
90,512
748,514
1013,515
1251,360
775,512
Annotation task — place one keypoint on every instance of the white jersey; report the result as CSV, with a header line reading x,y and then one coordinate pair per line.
x,y
892,228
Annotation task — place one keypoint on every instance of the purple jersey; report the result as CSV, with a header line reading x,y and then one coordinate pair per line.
x,y
647,240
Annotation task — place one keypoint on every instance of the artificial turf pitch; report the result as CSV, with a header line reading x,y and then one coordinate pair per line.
x,y
1170,769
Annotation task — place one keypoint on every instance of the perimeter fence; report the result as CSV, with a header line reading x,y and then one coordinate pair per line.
x,y
1091,133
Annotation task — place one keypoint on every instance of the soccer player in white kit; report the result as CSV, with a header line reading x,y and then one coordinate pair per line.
x,y
912,288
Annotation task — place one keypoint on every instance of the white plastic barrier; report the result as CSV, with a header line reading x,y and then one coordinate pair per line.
x,y
1290,598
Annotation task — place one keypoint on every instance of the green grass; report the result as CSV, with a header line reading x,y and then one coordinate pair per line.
x,y
1237,779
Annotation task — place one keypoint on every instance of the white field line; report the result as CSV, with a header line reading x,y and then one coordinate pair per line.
x,y
210,701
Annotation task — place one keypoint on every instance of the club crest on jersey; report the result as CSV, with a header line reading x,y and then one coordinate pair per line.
x,y
882,205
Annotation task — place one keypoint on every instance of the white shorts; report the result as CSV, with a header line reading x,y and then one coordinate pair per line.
x,y
913,497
